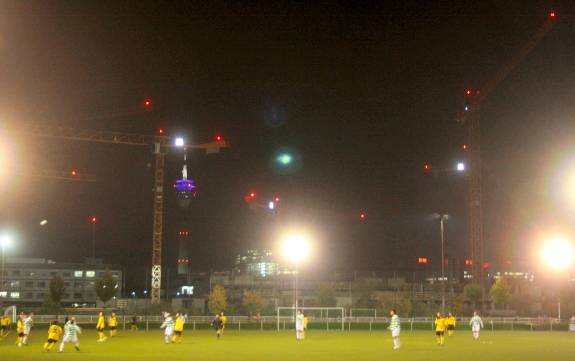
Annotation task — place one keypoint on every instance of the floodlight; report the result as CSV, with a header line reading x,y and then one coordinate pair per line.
x,y
179,142
558,253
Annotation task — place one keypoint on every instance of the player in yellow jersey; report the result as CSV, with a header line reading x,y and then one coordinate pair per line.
x,y
178,328
113,324
450,324
305,321
440,325
224,320
20,330
4,323
54,333
100,327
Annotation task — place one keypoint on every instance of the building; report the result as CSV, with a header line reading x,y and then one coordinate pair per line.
x,y
257,263
25,280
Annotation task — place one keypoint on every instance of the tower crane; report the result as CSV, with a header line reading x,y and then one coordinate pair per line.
x,y
471,115
158,145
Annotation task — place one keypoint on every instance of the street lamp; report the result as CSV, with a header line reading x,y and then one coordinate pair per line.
x,y
442,217
4,241
295,248
93,237
558,254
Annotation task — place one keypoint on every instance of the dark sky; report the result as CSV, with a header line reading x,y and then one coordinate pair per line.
x,y
364,94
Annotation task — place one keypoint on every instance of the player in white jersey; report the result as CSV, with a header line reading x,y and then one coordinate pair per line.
x,y
71,331
169,327
299,325
476,323
395,328
28,324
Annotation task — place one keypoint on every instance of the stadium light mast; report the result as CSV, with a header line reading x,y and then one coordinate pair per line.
x,y
442,217
4,241
295,248
558,254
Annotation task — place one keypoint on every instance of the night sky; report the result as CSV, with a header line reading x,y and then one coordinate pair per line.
x,y
362,94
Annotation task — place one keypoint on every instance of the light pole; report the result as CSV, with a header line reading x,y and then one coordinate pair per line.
x,y
93,237
558,254
295,248
4,242
442,217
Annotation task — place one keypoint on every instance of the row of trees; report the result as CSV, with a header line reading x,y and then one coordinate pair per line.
x,y
105,287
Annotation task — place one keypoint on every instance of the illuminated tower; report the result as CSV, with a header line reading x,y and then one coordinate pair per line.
x,y
185,191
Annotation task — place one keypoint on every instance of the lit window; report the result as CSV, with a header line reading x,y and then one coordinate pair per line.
x,y
90,273
78,273
14,294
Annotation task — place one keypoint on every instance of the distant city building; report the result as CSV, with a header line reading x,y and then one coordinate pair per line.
x,y
257,263
27,279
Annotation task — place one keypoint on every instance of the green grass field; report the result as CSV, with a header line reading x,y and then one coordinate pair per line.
x,y
318,345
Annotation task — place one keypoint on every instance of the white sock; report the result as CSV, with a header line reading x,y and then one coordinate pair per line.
x,y
62,346
77,344
167,339
394,342
25,339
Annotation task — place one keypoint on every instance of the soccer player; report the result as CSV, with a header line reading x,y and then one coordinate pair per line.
x,y
134,325
71,331
20,330
4,323
224,320
169,326
28,324
395,328
450,324
217,323
54,333
113,324
476,323
298,325
440,325
305,322
100,327
179,328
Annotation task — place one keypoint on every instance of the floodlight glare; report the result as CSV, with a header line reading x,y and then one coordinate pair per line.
x,y
558,253
295,247
179,142
460,167
271,205
4,241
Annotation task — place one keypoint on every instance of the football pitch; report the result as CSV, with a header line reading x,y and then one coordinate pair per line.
x,y
318,345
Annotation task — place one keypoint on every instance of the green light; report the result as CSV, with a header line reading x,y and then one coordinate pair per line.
x,y
285,159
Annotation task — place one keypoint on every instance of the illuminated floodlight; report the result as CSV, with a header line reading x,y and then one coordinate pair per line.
x,y
558,253
271,205
4,241
460,167
179,142
295,247
284,159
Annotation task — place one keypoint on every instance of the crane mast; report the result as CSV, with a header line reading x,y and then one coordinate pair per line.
x,y
472,117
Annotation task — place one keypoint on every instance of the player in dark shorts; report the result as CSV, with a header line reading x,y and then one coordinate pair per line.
x,y
217,323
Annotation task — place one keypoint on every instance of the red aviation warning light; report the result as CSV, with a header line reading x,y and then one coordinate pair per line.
x,y
74,173
147,103
469,262
468,92
93,219
485,265
552,15
218,138
422,260
362,216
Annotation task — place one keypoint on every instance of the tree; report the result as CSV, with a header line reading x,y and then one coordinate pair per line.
x,y
457,304
48,306
106,288
253,302
326,295
473,292
56,293
500,292
218,299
